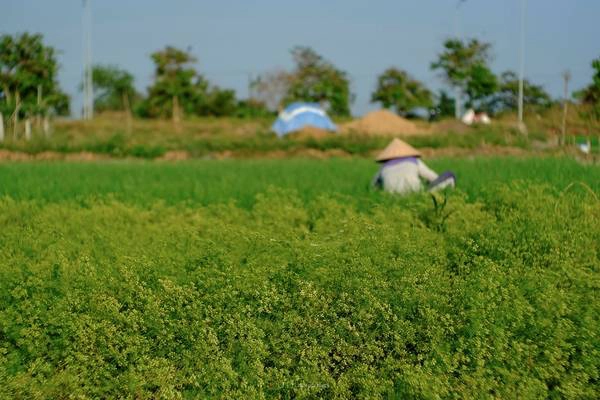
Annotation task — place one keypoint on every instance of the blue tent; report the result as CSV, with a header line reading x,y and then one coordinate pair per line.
x,y
298,115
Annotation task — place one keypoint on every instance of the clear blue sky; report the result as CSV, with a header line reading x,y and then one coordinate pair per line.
x,y
235,38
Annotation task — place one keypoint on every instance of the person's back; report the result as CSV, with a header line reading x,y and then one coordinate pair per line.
x,y
403,175
402,170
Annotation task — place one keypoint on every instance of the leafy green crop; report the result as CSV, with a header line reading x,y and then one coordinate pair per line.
x,y
325,294
208,182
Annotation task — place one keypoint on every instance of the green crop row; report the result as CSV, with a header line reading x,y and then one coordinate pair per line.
x,y
292,279
208,182
293,299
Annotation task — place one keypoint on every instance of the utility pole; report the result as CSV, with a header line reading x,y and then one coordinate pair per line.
x,y
85,68
88,90
458,35
566,77
522,65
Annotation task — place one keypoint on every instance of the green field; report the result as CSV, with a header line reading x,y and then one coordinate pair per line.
x,y
209,182
292,279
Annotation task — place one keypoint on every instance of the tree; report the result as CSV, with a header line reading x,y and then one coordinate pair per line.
x,y
507,97
464,67
218,102
591,93
481,85
444,106
590,96
316,80
28,77
177,86
398,90
271,88
113,88
253,108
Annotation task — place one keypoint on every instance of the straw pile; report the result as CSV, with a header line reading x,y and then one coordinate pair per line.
x,y
382,122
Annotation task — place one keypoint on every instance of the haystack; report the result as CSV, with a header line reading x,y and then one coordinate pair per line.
x,y
381,122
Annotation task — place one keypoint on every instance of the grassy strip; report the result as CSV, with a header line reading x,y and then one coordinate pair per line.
x,y
203,182
148,143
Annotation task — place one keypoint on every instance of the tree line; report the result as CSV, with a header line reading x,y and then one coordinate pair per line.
x,y
29,90
28,84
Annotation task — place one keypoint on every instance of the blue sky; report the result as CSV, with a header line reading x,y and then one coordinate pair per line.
x,y
235,39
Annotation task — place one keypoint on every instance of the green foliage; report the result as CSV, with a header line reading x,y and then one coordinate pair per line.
x,y
113,88
590,96
482,84
253,109
28,72
458,58
206,182
214,142
444,106
464,65
175,81
179,87
397,89
534,96
208,137
295,298
317,80
218,103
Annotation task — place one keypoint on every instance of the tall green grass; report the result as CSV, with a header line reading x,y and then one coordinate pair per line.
x,y
209,182
290,279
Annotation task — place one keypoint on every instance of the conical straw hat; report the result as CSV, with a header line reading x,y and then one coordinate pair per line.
x,y
396,149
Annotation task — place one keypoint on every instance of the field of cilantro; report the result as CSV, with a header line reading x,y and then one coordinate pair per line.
x,y
292,279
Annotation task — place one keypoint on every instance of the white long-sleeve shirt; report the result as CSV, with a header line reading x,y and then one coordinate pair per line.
x,y
404,176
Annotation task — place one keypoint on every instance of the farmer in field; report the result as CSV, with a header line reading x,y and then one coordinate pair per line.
x,y
402,171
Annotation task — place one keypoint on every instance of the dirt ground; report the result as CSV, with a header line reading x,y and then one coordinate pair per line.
x,y
8,155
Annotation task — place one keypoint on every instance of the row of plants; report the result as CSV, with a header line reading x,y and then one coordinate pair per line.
x,y
118,143
495,297
207,182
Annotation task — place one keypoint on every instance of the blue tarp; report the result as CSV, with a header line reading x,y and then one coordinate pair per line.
x,y
298,115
